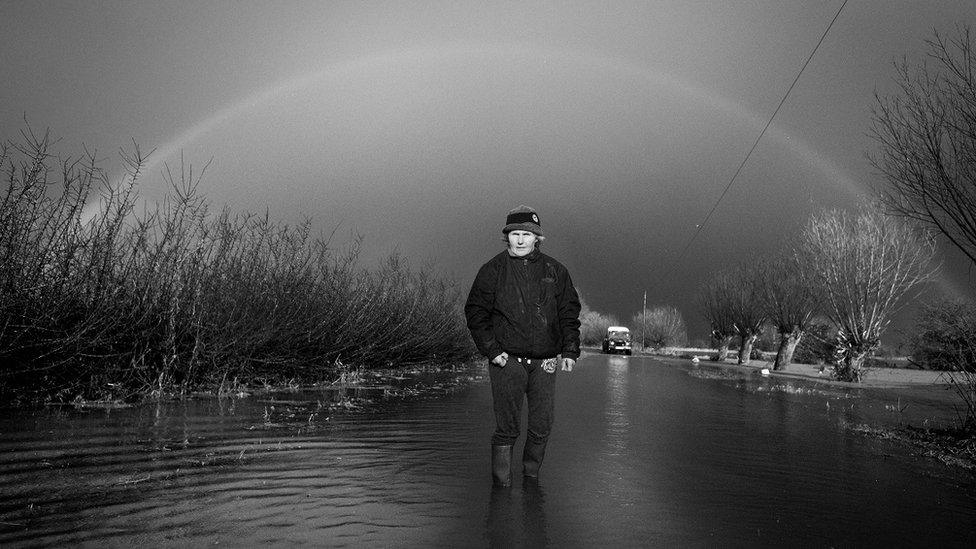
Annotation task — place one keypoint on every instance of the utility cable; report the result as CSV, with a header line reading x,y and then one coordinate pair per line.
x,y
701,225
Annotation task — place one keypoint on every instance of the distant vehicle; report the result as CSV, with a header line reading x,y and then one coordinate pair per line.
x,y
617,340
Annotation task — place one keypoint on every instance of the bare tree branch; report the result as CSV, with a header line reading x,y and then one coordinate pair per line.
x,y
927,141
866,264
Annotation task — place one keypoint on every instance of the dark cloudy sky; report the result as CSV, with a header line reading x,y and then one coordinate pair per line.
x,y
419,124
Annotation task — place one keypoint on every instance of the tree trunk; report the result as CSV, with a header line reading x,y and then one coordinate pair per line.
x,y
787,346
853,352
745,349
852,367
723,348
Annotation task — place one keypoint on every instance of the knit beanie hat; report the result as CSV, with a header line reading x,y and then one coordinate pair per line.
x,y
523,218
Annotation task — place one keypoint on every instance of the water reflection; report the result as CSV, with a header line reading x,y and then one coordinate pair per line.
x,y
616,411
517,516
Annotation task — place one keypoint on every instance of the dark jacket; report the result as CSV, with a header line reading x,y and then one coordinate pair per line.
x,y
526,306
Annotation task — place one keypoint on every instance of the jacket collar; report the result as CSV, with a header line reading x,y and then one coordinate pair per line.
x,y
534,255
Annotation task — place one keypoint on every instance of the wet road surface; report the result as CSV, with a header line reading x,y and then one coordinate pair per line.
x,y
644,453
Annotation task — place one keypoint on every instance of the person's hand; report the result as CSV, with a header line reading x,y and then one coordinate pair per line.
x,y
500,360
568,364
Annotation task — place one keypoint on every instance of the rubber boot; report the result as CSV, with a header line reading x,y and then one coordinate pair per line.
x,y
532,458
501,465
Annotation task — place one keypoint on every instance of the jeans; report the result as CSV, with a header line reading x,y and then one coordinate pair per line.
x,y
510,386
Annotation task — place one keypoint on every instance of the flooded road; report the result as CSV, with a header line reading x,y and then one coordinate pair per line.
x,y
643,453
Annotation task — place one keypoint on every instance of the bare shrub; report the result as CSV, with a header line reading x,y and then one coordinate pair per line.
x,y
945,340
945,337
818,344
593,326
767,341
661,326
105,303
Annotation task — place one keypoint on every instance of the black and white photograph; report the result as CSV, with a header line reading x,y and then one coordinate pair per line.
x,y
566,273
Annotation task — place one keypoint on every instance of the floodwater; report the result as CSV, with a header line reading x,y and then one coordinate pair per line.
x,y
644,453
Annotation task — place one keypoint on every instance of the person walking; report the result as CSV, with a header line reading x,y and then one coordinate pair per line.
x,y
523,315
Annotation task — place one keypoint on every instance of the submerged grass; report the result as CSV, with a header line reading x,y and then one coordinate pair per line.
x,y
100,302
951,446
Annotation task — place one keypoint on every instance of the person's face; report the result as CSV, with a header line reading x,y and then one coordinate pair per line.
x,y
521,243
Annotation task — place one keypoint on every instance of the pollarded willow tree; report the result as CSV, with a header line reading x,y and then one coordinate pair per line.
x,y
716,304
865,263
927,141
790,298
748,313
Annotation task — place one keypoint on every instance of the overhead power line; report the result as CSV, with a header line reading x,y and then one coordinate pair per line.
x,y
755,144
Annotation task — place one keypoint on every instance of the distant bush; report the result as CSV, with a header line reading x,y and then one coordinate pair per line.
x,y
817,346
945,337
946,340
885,362
98,302
593,326
661,326
884,351
767,340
